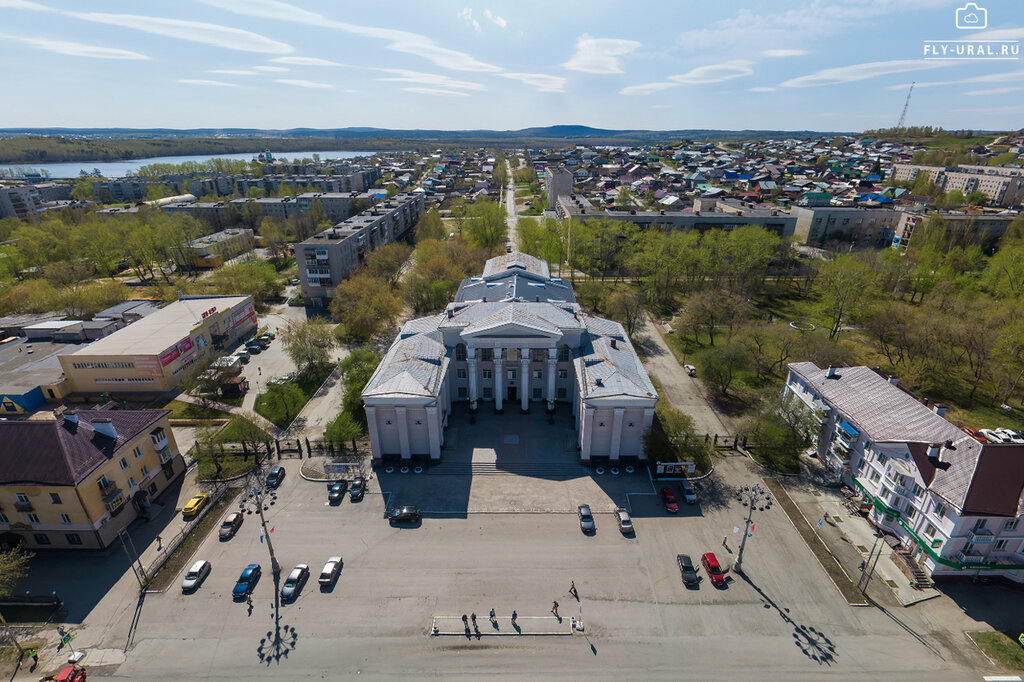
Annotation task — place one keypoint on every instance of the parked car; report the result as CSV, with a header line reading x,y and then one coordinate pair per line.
x,y
690,370
195,576
994,437
713,569
689,494
195,505
293,281
508,249
669,500
687,570
329,575
230,525
276,475
242,354
356,490
336,493
586,518
246,581
975,434
625,523
1014,436
294,582
404,514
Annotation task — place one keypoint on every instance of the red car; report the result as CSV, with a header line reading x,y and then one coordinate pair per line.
x,y
714,569
973,433
669,500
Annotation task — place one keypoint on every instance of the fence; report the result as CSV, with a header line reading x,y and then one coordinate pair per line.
x,y
171,545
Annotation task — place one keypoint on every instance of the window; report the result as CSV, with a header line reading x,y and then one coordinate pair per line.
x,y
73,538
918,490
65,519
561,394
1001,545
512,374
563,354
41,538
115,503
512,354
145,471
980,524
563,374
538,374
487,354
462,392
22,498
930,530
536,394
1011,524
911,512
151,489
460,352
874,476
4,519
123,463
487,391
460,374
131,482
54,498
940,510
487,374
539,354
32,517
137,451
882,458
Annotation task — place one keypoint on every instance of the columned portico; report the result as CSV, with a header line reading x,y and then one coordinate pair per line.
x,y
471,357
434,433
403,431
499,381
524,371
616,445
552,358
586,432
371,424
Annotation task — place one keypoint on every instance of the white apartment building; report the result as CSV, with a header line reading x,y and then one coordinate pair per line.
x,y
1003,185
954,503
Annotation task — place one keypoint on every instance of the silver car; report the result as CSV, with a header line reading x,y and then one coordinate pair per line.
x,y
625,523
332,568
586,518
294,582
195,576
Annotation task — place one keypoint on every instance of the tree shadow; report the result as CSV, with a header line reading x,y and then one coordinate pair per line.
x,y
813,643
714,494
280,641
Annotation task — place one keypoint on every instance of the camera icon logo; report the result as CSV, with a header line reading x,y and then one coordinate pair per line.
x,y
970,16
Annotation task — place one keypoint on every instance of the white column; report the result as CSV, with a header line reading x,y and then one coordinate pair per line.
x,y
552,357
648,420
616,443
499,380
524,369
586,432
371,425
403,431
434,432
471,357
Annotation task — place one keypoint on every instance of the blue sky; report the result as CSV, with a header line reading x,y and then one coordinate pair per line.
x,y
794,64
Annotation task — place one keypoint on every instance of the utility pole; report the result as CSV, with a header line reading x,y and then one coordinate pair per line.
x,y
755,495
274,566
10,633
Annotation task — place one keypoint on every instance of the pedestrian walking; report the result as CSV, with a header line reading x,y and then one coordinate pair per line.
x,y
514,614
465,619
725,541
572,589
35,658
159,543
492,614
554,608
473,618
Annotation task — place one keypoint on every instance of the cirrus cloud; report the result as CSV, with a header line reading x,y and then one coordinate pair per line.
x,y
542,81
234,72
299,83
857,72
194,31
75,49
495,19
200,81
432,79
599,55
305,61
784,52
440,92
715,73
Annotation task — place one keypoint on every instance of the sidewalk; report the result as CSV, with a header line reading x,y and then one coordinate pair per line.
x,y
257,419
535,626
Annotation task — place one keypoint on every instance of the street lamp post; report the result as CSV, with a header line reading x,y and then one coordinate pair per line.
x,y
755,495
274,566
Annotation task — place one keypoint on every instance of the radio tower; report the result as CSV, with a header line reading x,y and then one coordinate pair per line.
x,y
906,104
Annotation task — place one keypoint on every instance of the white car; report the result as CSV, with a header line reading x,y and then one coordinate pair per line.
x,y
332,568
195,576
691,370
1014,436
994,437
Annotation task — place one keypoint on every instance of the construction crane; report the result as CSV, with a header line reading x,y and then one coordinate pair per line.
x,y
906,104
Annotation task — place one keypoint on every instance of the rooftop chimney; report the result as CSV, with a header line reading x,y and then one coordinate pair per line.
x,y
939,409
933,451
71,417
613,344
893,380
104,427
831,372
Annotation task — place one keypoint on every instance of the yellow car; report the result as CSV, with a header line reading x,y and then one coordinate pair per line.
x,y
195,504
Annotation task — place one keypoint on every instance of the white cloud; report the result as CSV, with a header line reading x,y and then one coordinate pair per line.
x,y
784,52
432,79
234,72
715,73
856,72
1000,34
25,4
299,83
542,81
398,41
467,15
198,81
992,91
195,31
495,19
661,106
599,55
305,61
76,49
1007,76
437,91
270,69
761,89
647,88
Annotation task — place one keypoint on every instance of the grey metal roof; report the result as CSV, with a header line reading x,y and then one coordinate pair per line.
x,y
518,260
511,285
413,366
609,366
480,315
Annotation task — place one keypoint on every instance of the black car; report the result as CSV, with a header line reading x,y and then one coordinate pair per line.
x,y
357,489
336,493
275,476
404,514
687,570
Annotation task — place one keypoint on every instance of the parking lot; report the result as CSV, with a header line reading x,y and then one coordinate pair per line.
x,y
639,618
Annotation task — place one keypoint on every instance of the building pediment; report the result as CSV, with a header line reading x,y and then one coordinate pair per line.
x,y
511,331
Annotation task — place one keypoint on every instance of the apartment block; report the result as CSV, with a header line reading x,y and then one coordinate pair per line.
x,y
214,249
328,257
863,226
980,228
20,201
954,504
121,189
1003,185
557,183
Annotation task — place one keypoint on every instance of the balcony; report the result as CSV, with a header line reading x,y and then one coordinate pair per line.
x,y
164,453
106,487
24,506
970,557
980,536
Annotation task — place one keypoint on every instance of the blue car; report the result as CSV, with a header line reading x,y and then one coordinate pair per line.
x,y
246,582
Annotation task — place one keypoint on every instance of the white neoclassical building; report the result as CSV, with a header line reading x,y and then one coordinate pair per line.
x,y
514,338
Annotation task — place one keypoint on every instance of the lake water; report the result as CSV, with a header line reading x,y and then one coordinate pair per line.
x,y
118,169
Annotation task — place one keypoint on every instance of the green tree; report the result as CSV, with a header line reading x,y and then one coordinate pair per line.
x,y
627,307
721,365
365,304
83,189
156,191
624,200
673,436
977,198
843,288
344,428
430,226
356,369
288,400
308,343
386,262
14,564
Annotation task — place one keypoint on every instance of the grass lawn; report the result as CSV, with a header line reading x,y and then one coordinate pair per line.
x,y
784,464
183,554
182,410
1001,647
230,466
307,382
229,432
